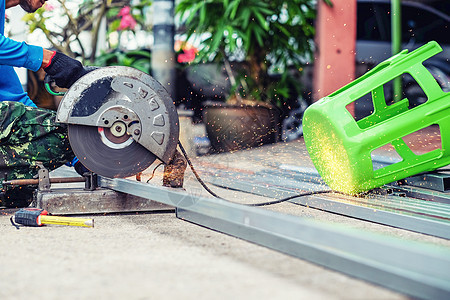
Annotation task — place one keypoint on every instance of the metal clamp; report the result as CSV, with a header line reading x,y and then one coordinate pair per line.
x,y
43,177
90,181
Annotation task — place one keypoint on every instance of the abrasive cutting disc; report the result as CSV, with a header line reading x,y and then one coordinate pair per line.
x,y
106,155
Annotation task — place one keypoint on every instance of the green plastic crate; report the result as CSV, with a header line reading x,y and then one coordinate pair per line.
x,y
341,147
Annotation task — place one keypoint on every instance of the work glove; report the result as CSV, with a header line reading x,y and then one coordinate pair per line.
x,y
64,71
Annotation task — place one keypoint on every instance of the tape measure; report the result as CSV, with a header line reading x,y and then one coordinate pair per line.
x,y
37,217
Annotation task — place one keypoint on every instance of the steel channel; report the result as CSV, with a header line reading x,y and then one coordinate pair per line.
x,y
390,202
413,268
367,212
419,192
261,184
433,181
432,205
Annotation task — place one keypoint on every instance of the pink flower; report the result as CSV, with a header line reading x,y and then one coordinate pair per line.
x,y
187,56
48,7
188,51
124,11
127,21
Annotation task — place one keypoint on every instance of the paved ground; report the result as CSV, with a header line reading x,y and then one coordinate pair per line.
x,y
155,255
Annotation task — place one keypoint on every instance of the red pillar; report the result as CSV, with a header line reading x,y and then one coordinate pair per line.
x,y
334,64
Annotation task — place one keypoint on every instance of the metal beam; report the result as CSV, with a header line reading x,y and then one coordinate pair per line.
x,y
433,181
432,218
70,201
421,193
413,268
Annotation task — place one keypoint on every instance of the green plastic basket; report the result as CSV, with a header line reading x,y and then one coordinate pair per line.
x,y
341,147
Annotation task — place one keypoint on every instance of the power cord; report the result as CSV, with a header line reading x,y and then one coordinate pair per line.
x,y
290,198
195,172
203,184
154,170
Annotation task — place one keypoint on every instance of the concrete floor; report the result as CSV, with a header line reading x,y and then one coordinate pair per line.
x,y
156,255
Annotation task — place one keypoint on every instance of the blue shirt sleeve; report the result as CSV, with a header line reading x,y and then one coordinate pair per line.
x,y
15,54
20,54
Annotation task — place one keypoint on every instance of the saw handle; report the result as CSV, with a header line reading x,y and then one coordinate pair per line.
x,y
48,80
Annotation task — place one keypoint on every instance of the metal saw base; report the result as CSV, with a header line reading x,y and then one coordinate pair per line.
x,y
69,201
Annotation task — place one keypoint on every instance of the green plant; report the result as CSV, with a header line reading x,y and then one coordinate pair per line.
x,y
73,26
138,59
269,35
125,19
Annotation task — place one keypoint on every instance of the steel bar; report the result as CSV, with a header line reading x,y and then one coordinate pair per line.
x,y
413,268
310,175
437,181
71,201
405,213
300,174
420,193
433,181
276,181
394,199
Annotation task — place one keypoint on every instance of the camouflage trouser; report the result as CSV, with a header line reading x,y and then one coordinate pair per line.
x,y
28,135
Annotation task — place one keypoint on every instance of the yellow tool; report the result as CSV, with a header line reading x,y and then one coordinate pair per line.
x,y
38,217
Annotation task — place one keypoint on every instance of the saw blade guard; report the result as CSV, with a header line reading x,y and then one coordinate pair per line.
x,y
124,99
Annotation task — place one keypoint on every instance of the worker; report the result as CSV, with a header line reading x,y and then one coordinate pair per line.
x,y
29,134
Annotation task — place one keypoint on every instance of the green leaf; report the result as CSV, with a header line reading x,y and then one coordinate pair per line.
x,y
259,34
262,20
266,11
114,25
216,39
328,2
246,17
113,12
235,8
202,14
283,30
139,53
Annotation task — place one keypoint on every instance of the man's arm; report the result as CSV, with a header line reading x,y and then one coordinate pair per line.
x,y
63,69
19,54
